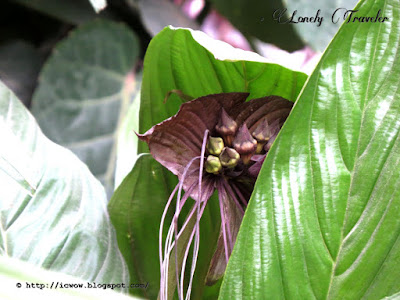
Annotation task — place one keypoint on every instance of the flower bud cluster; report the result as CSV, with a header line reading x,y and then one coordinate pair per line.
x,y
236,146
220,156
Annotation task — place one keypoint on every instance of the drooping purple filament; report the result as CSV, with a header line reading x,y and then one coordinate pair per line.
x,y
217,142
225,193
170,243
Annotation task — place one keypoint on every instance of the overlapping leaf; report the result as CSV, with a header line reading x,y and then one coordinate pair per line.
x,y
84,92
323,220
190,61
52,210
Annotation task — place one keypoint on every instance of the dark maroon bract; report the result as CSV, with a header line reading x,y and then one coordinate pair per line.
x,y
214,142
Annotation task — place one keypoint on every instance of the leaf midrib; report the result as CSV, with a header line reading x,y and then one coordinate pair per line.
x,y
363,110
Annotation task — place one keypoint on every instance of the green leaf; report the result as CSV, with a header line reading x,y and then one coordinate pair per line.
x,y
136,209
254,18
53,211
192,62
21,280
70,11
314,34
84,92
323,221
156,14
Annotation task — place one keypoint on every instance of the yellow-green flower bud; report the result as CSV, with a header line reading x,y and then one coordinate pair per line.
x,y
213,164
215,145
229,157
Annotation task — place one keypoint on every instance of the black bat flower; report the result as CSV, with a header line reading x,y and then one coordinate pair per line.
x,y
214,142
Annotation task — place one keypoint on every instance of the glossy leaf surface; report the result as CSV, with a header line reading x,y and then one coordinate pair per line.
x,y
323,220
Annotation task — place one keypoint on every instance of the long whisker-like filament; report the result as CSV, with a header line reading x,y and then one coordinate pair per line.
x,y
169,243
221,190
232,195
185,257
164,261
179,206
199,214
195,209
241,197
160,238
196,230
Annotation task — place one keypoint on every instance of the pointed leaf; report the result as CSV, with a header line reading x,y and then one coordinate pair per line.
x,y
323,219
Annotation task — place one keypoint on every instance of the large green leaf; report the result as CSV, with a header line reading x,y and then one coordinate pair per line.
x,y
255,18
323,220
52,211
192,62
84,92
136,209
21,280
318,35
